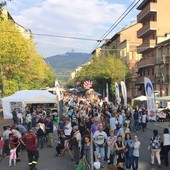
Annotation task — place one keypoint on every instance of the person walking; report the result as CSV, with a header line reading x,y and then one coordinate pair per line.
x,y
49,131
30,141
100,139
135,155
166,144
128,142
155,148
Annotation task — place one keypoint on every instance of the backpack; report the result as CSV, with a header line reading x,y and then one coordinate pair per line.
x,y
155,142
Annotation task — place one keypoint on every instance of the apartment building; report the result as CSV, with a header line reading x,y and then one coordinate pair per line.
x,y
124,45
153,17
162,65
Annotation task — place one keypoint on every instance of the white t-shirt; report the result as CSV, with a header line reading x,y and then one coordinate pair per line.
x,y
6,134
144,118
113,123
100,137
166,139
68,130
77,135
136,146
120,119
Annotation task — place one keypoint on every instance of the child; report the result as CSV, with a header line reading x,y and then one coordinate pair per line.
x,y
1,144
13,156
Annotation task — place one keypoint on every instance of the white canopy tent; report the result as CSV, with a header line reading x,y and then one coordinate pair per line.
x,y
26,97
163,98
141,98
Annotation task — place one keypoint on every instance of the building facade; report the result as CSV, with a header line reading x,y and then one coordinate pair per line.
x,y
153,17
124,45
162,66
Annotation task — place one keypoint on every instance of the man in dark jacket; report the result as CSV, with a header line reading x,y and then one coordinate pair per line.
x,y
49,131
30,141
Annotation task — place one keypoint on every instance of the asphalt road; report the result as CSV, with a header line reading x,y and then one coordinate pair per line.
x,y
48,161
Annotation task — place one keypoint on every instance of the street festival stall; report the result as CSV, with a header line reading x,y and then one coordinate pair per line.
x,y
164,110
139,101
20,99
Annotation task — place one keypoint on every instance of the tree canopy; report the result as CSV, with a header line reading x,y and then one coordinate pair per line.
x,y
102,70
20,64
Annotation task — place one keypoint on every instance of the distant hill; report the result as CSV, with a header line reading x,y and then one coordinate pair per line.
x,y
65,64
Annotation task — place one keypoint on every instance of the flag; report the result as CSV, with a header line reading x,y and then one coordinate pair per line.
x,y
87,84
118,99
107,91
151,104
124,92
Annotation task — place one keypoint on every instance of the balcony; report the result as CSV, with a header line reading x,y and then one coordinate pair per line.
x,y
140,79
147,29
147,62
146,46
166,59
147,12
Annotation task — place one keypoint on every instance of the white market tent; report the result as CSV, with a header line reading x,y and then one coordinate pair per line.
x,y
26,97
163,98
140,98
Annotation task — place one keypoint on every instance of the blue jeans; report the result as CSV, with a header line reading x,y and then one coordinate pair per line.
x,y
128,161
135,162
41,141
136,125
102,154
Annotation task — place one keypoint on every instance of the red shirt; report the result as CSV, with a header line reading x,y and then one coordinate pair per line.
x,y
30,139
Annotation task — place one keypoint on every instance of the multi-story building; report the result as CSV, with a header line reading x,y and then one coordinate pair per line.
x,y
162,66
124,45
153,17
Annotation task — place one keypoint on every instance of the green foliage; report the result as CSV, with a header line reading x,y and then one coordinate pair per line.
x,y
2,4
20,63
102,70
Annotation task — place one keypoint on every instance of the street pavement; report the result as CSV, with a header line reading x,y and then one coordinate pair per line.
x,y
48,161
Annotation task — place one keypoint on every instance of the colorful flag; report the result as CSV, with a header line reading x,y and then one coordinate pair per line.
x,y
118,99
87,84
124,92
151,104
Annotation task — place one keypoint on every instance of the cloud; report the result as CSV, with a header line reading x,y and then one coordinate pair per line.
x,y
80,18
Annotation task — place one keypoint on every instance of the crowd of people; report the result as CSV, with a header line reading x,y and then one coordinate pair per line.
x,y
94,132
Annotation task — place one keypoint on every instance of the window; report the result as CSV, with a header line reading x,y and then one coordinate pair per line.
x,y
152,71
167,52
143,72
148,71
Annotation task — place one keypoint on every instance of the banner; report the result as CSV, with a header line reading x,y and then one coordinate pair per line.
x,y
118,99
151,104
57,86
124,92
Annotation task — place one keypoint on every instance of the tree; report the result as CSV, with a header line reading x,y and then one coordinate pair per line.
x,y
3,3
20,64
102,70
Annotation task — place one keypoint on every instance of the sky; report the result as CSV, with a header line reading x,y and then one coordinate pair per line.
x,y
74,18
